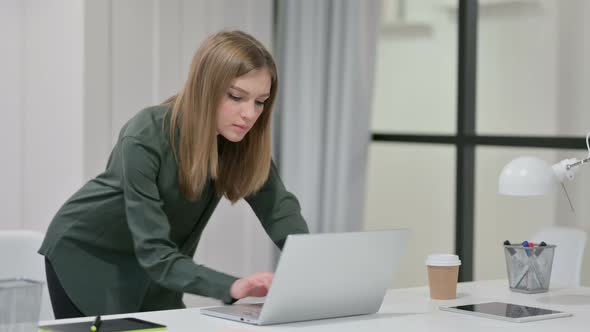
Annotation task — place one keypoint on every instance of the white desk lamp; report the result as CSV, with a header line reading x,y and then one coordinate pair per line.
x,y
531,176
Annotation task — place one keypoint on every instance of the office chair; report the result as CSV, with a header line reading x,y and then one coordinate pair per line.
x,y
19,259
569,254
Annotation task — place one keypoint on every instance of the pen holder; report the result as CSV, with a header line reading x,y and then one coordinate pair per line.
x,y
529,269
20,303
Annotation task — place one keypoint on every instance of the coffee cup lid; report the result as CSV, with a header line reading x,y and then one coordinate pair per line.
x,y
443,260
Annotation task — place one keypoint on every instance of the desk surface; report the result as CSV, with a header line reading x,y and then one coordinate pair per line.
x,y
408,309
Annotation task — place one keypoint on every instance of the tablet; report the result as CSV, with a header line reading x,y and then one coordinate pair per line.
x,y
507,311
107,325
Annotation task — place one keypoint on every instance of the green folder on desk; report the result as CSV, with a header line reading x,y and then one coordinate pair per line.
x,y
107,325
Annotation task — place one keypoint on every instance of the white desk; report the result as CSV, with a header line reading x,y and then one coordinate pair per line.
x,y
408,309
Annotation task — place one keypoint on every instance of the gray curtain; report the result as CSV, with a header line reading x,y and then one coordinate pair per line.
x,y
326,55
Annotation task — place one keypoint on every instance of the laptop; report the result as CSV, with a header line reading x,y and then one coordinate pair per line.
x,y
325,276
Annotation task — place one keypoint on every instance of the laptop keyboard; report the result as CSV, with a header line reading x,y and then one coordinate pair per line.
x,y
251,310
251,314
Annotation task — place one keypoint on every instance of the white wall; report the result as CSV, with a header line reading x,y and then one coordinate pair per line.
x,y
41,101
12,48
75,71
53,138
97,125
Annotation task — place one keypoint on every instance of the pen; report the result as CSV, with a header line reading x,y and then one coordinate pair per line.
x,y
510,250
96,324
539,248
526,245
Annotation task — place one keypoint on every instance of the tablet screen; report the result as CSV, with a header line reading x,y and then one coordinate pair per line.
x,y
108,325
507,310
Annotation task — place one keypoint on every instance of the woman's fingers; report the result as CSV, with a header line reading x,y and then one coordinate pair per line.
x,y
255,285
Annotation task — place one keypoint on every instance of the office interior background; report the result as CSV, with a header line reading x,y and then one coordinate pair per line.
x,y
73,71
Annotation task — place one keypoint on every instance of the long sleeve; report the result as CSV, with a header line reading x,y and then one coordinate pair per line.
x,y
150,229
277,209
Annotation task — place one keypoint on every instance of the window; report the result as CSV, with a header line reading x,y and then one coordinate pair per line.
x,y
439,146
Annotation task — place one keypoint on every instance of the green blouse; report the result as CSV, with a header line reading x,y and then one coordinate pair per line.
x,y
124,242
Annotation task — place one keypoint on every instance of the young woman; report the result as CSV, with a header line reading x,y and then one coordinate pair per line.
x,y
124,242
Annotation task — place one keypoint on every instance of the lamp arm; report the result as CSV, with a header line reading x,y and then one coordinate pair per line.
x,y
567,168
578,163
570,164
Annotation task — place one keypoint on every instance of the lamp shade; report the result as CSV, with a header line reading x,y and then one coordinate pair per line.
x,y
526,176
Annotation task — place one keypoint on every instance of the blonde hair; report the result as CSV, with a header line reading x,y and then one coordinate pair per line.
x,y
244,166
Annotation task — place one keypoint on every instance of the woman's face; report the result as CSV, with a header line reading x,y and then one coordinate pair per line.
x,y
242,104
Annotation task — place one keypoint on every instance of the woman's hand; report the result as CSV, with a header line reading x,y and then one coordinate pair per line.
x,y
255,285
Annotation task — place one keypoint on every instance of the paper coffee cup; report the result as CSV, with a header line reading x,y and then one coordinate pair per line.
x,y
443,273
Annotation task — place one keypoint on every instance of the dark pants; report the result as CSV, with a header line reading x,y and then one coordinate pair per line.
x,y
61,303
